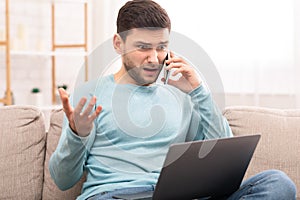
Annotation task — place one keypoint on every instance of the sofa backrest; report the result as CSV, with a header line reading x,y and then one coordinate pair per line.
x,y
51,191
24,166
279,147
22,151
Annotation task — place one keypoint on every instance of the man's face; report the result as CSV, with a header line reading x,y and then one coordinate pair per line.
x,y
143,53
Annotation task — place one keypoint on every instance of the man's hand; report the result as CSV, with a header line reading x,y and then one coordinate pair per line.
x,y
80,122
189,79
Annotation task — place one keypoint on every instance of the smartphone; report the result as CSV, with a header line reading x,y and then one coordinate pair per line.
x,y
166,72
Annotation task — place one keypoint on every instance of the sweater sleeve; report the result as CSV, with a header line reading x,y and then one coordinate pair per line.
x,y
207,121
67,163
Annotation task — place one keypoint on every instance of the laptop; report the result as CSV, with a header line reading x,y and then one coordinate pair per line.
x,y
211,169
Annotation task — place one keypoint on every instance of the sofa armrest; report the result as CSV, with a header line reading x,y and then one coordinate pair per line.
x,y
279,147
22,152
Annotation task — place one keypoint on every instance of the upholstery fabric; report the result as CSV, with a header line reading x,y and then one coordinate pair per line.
x,y
22,151
24,166
51,191
279,147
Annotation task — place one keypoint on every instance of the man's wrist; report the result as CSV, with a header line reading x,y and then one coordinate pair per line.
x,y
76,135
73,129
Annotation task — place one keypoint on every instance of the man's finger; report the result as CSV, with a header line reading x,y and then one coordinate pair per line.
x,y
174,65
95,114
90,106
65,101
80,106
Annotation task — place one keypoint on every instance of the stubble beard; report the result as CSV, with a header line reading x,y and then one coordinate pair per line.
x,y
135,72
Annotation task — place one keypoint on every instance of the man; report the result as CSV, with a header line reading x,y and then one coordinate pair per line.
x,y
121,136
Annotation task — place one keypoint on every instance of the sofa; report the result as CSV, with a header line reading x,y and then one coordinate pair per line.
x,y
25,147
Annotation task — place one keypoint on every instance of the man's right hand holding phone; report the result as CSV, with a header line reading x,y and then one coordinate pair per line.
x,y
81,122
189,79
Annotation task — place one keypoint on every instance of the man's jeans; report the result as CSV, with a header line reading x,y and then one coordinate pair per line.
x,y
268,185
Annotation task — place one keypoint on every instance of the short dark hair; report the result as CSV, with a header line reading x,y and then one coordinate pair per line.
x,y
141,14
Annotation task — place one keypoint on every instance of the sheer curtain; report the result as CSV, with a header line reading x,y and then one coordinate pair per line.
x,y
253,43
297,52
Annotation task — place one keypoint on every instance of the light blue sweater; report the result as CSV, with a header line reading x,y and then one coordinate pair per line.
x,y
131,136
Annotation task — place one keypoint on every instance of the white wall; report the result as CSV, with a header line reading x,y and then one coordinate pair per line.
x,y
254,44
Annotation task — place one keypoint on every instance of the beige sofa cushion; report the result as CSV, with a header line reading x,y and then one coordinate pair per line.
x,y
22,151
279,147
51,191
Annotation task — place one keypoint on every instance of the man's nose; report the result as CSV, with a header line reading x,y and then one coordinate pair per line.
x,y
153,56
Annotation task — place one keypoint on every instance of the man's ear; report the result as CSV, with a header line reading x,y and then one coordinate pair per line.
x,y
118,43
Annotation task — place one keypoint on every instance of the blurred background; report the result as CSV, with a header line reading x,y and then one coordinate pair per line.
x,y
254,44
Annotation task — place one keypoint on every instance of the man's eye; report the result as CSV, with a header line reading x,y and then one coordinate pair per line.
x,y
162,47
144,47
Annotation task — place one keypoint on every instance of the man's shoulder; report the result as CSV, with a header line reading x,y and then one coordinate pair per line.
x,y
90,88
93,84
177,93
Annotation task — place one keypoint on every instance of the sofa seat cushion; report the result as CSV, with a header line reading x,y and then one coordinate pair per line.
x,y
51,191
22,151
279,147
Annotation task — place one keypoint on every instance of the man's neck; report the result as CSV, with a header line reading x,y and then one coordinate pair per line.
x,y
122,77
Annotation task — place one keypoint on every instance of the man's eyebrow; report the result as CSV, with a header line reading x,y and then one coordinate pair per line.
x,y
141,42
165,42
147,43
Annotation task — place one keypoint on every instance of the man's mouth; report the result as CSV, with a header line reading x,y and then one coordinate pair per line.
x,y
151,69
